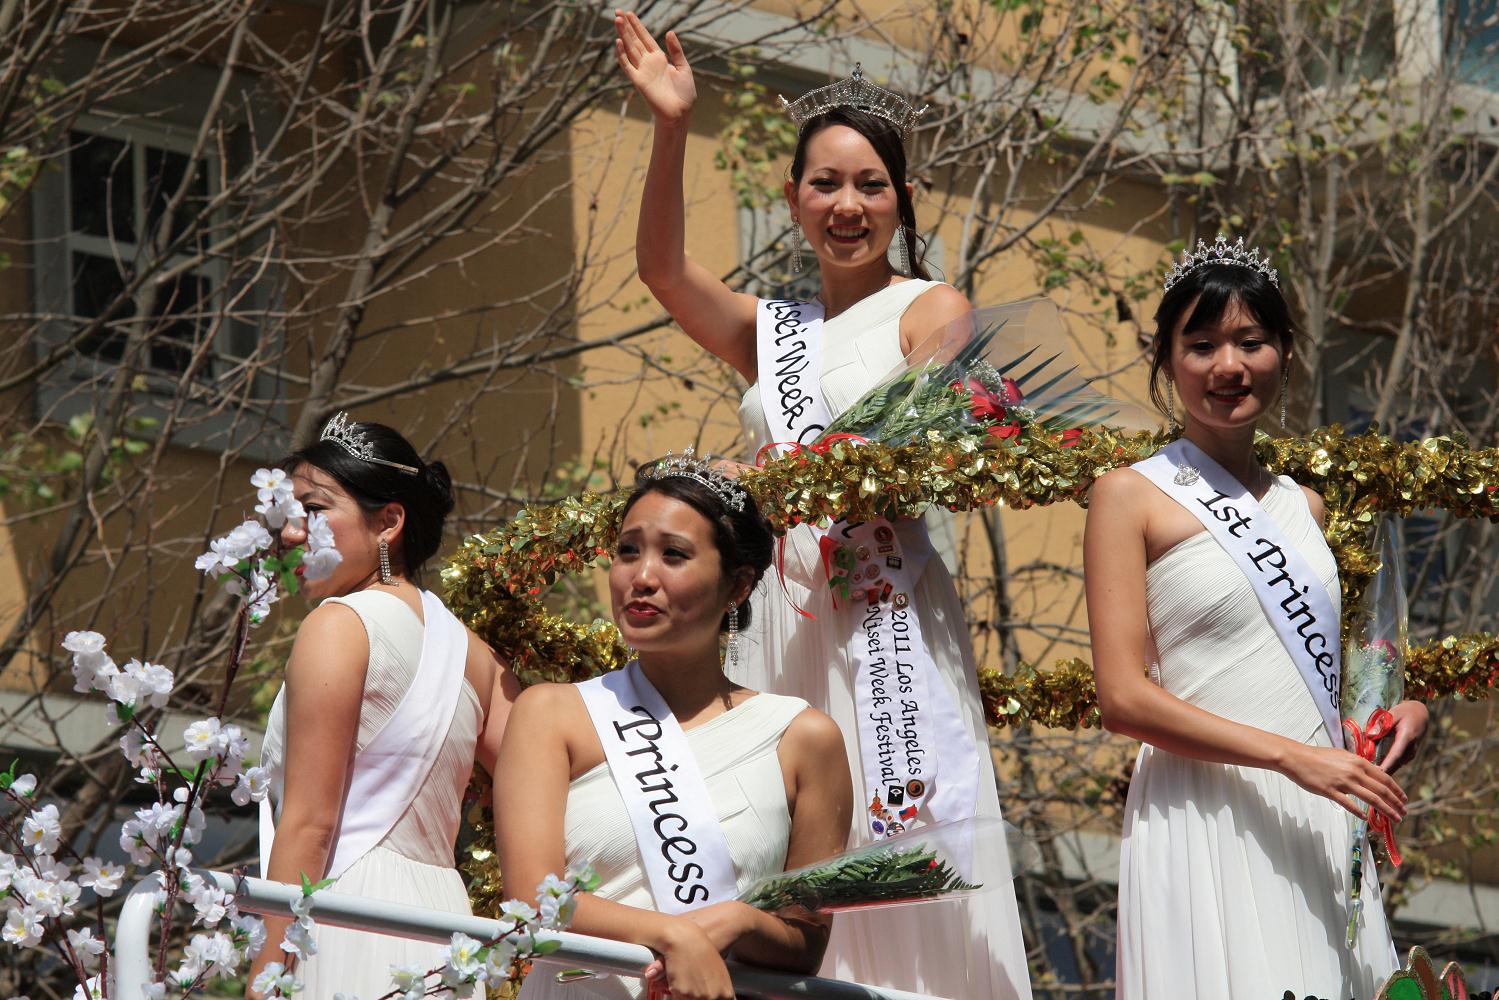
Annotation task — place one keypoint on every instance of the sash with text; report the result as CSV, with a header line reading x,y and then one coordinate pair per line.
x,y
681,843
909,726
1287,588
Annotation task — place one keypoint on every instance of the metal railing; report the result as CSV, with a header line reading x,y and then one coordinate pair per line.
x,y
132,960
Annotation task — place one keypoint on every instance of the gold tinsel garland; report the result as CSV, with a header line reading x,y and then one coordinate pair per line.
x,y
496,582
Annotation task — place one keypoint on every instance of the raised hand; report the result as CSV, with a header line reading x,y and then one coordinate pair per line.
x,y
663,78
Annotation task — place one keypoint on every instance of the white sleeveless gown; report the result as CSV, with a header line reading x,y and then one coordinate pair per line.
x,y
414,863
737,755
1233,880
971,949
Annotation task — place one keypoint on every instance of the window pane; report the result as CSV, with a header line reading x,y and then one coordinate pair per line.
x,y
1334,43
164,172
180,326
102,187
1472,28
97,283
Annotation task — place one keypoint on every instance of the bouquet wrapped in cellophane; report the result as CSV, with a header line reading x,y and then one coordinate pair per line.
x,y
1373,682
1000,371
937,861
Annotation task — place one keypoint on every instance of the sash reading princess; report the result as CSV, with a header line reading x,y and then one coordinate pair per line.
x,y
1234,872
897,676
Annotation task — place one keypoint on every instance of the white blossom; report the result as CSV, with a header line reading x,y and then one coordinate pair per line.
x,y
8,870
517,910
42,831
274,977
204,739
210,904
463,956
24,786
103,877
320,564
225,553
53,897
94,989
87,947
497,964
23,927
252,930
150,681
319,532
272,484
299,940
410,976
254,785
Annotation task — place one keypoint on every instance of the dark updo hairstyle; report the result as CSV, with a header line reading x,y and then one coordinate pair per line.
x,y
886,140
426,495
743,538
1215,287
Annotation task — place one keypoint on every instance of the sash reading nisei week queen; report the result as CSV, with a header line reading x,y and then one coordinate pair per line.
x,y
1287,588
681,843
392,768
909,726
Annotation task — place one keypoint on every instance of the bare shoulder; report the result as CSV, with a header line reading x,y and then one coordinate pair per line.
x,y
547,702
937,305
1316,504
813,735
1119,491
335,631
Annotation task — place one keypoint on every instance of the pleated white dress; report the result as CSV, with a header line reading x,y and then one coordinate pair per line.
x,y
414,862
737,755
970,949
1233,880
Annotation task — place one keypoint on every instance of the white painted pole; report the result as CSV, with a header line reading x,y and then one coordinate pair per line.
x,y
577,951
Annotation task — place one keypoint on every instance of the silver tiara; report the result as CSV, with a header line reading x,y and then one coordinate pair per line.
x,y
688,466
855,92
1221,253
346,434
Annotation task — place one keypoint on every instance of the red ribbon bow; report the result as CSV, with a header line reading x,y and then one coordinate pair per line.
x,y
797,448
1364,742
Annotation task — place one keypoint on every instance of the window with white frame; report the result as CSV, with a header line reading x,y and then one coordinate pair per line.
x,y
118,185
100,258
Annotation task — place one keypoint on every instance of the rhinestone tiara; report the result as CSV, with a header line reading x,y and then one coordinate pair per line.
x,y
346,434
855,92
1221,253
688,466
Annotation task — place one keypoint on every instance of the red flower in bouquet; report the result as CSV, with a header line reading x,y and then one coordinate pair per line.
x,y
1011,392
1005,431
1070,437
982,403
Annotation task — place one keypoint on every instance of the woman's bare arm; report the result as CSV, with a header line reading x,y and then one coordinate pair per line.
x,y
324,695
719,319
1114,559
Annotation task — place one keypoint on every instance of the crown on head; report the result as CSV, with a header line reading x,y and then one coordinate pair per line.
x,y
1221,253
688,466
855,92
346,434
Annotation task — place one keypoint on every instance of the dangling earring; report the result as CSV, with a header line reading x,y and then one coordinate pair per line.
x,y
1170,406
1285,391
731,652
384,562
905,251
796,246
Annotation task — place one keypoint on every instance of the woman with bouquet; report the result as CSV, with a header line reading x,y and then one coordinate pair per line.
x,y
1234,864
679,786
921,759
388,701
